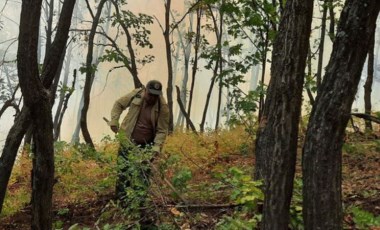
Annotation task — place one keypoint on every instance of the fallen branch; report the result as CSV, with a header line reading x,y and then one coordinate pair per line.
x,y
366,117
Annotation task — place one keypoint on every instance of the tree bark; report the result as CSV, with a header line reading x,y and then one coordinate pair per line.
x,y
195,63
369,81
220,59
169,89
37,108
322,152
186,48
131,64
12,143
183,111
276,144
218,36
322,43
64,107
90,74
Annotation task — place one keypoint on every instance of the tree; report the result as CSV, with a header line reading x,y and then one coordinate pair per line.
x,y
37,108
369,81
322,42
322,151
169,90
276,144
215,56
186,49
197,46
90,70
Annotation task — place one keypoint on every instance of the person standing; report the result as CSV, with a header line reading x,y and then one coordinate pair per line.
x,y
144,127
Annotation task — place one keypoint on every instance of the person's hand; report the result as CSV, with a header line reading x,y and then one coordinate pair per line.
x,y
114,128
154,156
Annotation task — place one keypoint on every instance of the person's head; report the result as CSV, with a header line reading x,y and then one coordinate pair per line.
x,y
153,91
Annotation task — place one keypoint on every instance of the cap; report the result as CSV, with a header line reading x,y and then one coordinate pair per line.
x,y
154,87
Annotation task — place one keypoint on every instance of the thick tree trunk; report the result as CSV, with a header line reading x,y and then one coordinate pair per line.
x,y
43,169
276,145
322,156
369,81
37,101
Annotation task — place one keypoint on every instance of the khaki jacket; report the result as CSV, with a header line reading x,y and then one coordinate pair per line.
x,y
133,101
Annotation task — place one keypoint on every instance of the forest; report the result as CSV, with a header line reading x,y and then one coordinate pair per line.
x,y
273,114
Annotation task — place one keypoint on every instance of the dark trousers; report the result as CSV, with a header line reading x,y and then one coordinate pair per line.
x,y
132,182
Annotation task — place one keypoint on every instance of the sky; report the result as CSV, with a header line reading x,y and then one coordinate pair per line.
x,y
110,86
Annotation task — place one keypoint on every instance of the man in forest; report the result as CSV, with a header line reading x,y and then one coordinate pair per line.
x,y
142,134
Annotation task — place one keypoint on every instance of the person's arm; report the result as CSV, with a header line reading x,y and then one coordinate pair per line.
x,y
118,107
162,128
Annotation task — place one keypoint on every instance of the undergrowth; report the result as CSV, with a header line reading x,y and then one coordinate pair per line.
x,y
191,175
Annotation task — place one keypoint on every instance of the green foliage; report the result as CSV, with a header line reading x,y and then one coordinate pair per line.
x,y
136,22
135,167
245,191
135,28
64,88
364,219
354,149
377,114
238,222
296,220
58,224
63,211
181,179
167,226
88,69
243,107
311,83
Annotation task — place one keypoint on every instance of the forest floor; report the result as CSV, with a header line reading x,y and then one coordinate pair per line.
x,y
361,188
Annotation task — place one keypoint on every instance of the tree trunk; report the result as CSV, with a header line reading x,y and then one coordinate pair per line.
x,y
62,93
131,64
218,36
37,107
369,81
183,111
186,47
322,43
62,111
12,143
332,20
264,62
90,74
220,59
322,152
309,73
276,145
195,63
169,90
